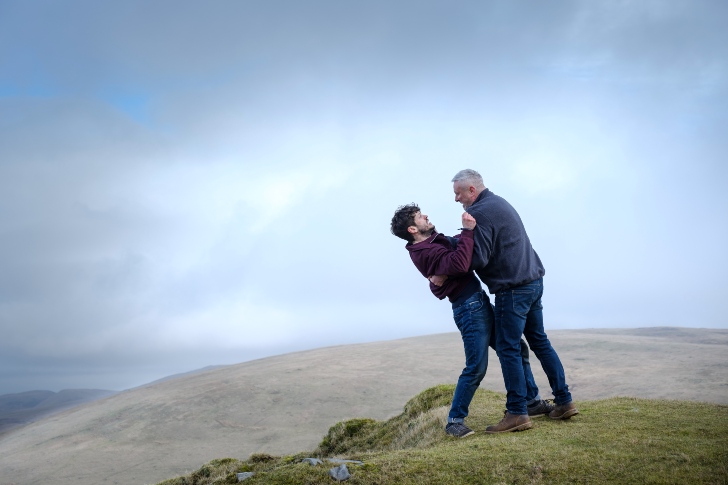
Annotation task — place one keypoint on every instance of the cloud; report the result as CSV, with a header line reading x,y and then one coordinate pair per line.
x,y
218,185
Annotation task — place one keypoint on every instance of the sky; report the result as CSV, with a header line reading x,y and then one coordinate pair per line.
x,y
185,184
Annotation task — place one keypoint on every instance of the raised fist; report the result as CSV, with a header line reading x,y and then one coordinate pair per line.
x,y
468,221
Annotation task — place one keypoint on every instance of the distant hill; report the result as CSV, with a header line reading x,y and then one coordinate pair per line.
x,y
26,407
183,374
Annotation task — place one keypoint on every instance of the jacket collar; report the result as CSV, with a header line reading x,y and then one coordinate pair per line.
x,y
414,246
482,195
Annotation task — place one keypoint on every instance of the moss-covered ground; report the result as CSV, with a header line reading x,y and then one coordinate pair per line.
x,y
621,440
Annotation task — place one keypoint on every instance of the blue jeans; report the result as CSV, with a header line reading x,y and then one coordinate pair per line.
x,y
518,311
474,318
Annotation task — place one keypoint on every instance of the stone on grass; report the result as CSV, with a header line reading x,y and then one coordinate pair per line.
x,y
245,475
340,473
312,461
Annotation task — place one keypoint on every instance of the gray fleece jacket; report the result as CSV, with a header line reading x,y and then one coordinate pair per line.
x,y
503,257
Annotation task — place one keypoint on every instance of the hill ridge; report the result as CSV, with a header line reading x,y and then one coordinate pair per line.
x,y
282,404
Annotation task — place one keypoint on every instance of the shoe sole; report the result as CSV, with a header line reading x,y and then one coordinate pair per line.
x,y
463,436
566,415
520,427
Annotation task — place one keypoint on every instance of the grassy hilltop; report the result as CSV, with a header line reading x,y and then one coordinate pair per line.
x,y
621,440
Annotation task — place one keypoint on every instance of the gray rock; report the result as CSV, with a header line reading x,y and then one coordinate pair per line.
x,y
340,473
245,475
312,461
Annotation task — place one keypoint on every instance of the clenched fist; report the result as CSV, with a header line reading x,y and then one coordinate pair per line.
x,y
468,221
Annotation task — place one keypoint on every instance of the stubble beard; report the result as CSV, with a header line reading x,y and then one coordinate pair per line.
x,y
428,232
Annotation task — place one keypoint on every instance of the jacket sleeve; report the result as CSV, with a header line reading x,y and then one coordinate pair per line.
x,y
455,262
483,234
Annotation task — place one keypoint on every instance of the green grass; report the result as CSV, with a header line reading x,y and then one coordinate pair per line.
x,y
621,440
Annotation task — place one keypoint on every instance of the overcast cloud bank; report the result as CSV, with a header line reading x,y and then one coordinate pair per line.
x,y
183,186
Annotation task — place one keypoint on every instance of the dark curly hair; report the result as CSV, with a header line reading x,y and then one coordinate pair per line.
x,y
404,217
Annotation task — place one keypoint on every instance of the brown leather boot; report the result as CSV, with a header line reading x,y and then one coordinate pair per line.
x,y
511,422
564,411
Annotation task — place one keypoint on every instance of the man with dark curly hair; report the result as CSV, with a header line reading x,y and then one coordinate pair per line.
x,y
436,254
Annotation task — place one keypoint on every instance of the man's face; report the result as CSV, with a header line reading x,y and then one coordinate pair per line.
x,y
464,193
423,224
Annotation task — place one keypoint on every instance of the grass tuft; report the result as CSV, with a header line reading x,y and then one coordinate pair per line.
x,y
261,458
217,472
419,425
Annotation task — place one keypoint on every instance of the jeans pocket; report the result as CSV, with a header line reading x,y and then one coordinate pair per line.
x,y
522,301
475,306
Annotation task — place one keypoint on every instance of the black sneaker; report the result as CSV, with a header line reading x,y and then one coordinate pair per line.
x,y
540,408
458,430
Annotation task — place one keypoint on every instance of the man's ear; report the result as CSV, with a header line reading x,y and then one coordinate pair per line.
x,y
412,230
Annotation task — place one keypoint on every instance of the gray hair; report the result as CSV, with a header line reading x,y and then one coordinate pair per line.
x,y
470,176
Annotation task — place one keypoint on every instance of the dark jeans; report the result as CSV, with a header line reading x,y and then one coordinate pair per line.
x,y
475,320
518,312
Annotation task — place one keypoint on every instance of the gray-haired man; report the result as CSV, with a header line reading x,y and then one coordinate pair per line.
x,y
506,262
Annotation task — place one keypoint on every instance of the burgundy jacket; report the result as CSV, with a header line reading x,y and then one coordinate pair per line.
x,y
436,256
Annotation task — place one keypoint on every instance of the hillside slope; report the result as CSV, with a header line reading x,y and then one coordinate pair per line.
x,y
617,440
23,408
283,404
